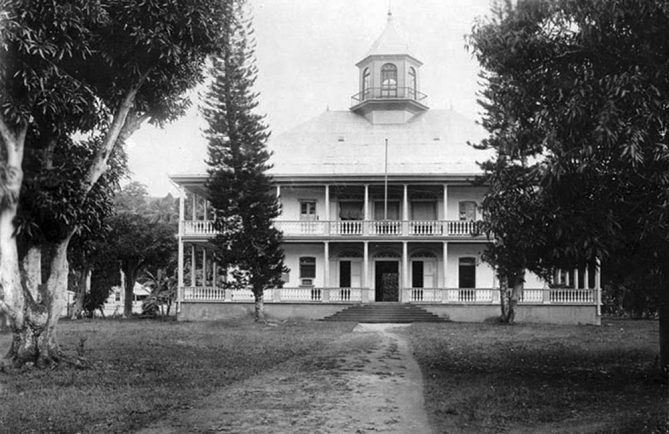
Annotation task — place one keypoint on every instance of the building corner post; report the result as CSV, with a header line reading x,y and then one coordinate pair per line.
x,y
180,252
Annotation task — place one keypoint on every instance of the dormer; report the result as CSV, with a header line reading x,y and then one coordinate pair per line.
x,y
389,81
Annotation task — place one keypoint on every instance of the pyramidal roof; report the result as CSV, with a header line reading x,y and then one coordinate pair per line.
x,y
344,143
390,42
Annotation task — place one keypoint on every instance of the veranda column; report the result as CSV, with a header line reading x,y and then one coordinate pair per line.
x,y
405,268
576,273
194,206
205,202
193,282
326,264
445,264
327,210
365,211
278,191
586,277
405,210
327,202
180,251
365,268
204,267
445,217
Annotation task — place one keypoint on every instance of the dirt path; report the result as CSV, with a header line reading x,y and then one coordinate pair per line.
x,y
367,381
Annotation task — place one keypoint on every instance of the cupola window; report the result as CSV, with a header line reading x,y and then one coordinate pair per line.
x,y
389,80
365,84
412,83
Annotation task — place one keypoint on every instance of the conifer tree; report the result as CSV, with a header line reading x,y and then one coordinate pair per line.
x,y
239,188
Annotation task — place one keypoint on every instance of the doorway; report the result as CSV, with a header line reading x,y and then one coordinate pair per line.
x,y
386,281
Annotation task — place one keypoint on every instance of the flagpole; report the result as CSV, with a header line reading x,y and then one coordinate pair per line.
x,y
385,185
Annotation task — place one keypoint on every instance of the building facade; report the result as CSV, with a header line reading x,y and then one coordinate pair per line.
x,y
379,204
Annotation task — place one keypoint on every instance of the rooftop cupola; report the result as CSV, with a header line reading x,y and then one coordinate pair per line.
x,y
389,82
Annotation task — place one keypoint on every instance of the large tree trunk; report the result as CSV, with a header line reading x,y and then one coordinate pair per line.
x,y
663,310
504,298
11,289
511,289
83,287
34,341
259,304
130,271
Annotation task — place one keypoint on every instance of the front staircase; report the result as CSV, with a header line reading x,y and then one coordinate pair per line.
x,y
384,313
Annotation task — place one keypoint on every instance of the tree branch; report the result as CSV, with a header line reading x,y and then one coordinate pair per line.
x,y
99,164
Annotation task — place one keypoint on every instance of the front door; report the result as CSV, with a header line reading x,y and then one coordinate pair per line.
x,y
386,281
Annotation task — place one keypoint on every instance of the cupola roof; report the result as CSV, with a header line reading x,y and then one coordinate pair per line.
x,y
390,41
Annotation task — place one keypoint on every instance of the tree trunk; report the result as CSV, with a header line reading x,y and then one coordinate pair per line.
x,y
12,301
504,298
34,341
83,287
130,271
516,293
663,310
511,289
259,304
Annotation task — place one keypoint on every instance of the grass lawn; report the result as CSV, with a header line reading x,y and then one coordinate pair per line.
x,y
478,377
541,378
143,369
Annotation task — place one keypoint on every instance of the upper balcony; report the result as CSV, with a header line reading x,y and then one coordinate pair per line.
x,y
355,228
384,94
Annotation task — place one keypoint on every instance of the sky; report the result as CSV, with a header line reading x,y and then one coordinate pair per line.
x,y
306,54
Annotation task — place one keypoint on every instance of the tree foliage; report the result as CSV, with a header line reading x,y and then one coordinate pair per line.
x,y
97,69
577,93
239,188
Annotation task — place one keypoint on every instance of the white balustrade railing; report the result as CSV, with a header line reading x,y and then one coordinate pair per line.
x,y
427,227
353,227
408,295
384,227
570,295
345,294
463,227
302,227
203,293
346,227
198,227
532,296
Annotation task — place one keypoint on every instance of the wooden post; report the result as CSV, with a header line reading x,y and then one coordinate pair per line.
x,y
365,211
327,202
326,264
204,267
193,281
405,268
405,211
445,217
365,264
180,252
194,206
445,264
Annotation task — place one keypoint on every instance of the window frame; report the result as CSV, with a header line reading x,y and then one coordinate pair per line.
x,y
413,83
462,215
366,78
388,80
303,263
308,216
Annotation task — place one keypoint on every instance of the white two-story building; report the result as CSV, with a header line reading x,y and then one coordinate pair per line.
x,y
379,204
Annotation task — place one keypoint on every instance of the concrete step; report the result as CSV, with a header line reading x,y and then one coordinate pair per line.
x,y
384,312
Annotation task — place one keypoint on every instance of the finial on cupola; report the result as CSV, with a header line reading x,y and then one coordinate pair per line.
x,y
390,13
